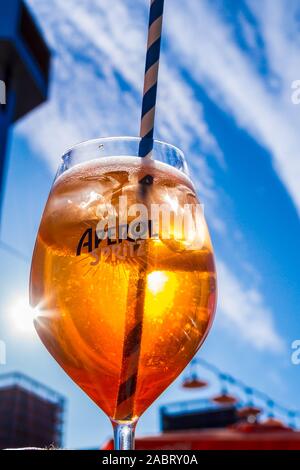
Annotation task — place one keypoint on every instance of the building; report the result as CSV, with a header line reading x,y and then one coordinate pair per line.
x,y
196,414
31,415
24,70
204,425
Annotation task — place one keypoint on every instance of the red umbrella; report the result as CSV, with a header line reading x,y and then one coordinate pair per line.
x,y
249,413
272,422
225,399
194,382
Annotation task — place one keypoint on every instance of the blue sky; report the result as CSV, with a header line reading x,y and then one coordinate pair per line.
x,y
225,100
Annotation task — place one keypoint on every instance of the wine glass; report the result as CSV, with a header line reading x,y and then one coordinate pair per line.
x,y
123,276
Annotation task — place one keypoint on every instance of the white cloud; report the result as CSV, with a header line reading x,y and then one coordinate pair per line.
x,y
94,54
98,79
243,311
230,77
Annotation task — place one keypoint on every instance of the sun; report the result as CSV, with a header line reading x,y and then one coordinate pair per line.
x,y
22,315
156,281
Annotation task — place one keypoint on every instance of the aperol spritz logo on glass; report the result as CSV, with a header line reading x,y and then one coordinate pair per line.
x,y
121,230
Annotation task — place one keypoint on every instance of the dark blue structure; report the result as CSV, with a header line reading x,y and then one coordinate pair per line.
x,y
196,414
24,67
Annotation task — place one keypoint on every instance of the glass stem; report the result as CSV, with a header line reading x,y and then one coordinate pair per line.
x,y
124,435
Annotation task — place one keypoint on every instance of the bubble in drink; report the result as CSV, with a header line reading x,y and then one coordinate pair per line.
x,y
85,284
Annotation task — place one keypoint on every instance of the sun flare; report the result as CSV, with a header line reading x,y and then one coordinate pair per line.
x,y
156,281
22,315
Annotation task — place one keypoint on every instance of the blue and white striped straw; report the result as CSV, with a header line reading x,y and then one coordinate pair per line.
x,y
125,404
151,77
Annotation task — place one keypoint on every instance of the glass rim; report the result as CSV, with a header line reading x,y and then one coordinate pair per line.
x,y
120,138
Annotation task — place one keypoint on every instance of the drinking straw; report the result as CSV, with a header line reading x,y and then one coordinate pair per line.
x,y
151,77
137,284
